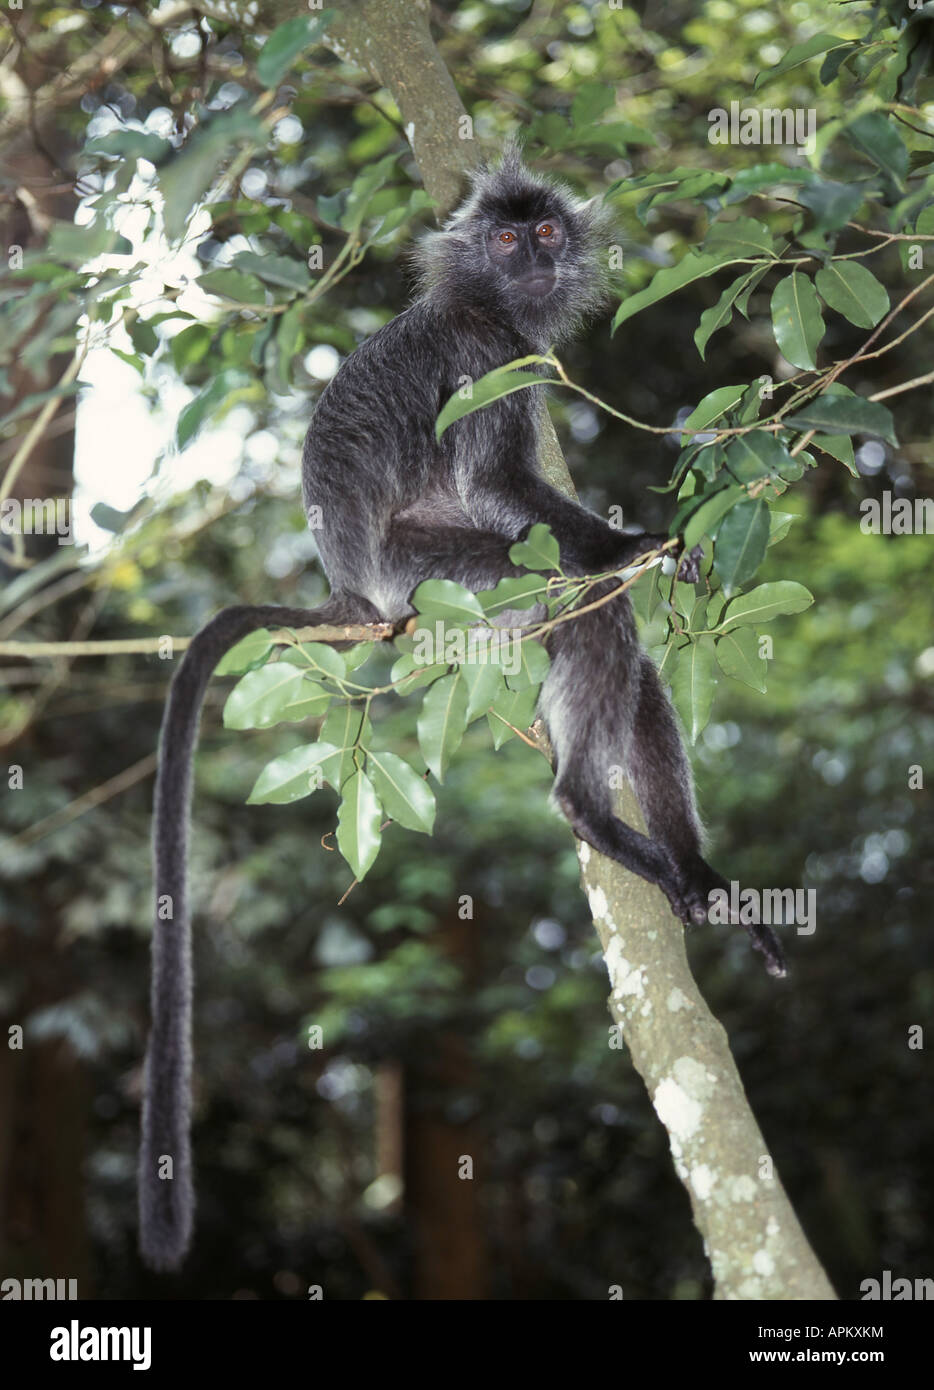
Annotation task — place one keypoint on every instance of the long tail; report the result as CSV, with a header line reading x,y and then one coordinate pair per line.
x,y
166,1194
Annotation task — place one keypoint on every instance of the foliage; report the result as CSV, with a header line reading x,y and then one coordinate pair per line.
x,y
808,785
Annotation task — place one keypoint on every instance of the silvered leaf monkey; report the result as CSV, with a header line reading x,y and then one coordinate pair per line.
x,y
516,269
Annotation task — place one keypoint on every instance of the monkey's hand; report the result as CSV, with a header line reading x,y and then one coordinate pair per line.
x,y
689,568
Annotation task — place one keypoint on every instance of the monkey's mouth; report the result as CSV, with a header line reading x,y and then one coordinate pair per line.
x,y
537,286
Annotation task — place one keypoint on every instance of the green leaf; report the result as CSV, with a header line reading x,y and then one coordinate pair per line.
x,y
833,204
358,824
666,656
758,454
250,651
692,267
797,321
357,656
876,136
539,551
442,721
234,285
492,387
290,776
765,602
442,598
367,183
713,406
190,346
129,144
285,44
290,337
521,591
414,674
404,795
110,518
840,447
310,701
78,245
617,135
831,65
207,402
291,274
738,655
720,314
645,595
262,696
853,291
779,525
517,707
697,186
132,359
704,521
484,683
741,543
551,129
533,668
591,101
693,685
800,53
321,659
708,461
347,728
418,201
769,175
845,415
185,180
742,236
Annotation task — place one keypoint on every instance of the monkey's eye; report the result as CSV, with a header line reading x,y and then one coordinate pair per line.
x,y
506,238
545,229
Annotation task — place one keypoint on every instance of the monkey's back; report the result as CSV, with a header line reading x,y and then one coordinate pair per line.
x,y
370,452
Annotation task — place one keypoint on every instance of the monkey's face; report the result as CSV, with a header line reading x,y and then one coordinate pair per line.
x,y
527,254
523,252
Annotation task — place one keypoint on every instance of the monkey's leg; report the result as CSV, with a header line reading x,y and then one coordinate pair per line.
x,y
165,1187
606,712
588,702
664,786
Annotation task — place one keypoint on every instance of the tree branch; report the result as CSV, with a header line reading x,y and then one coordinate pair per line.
x,y
153,646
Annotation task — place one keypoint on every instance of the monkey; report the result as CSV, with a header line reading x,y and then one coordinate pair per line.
x,y
514,270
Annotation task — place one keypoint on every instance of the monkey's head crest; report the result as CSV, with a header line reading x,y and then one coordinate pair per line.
x,y
520,249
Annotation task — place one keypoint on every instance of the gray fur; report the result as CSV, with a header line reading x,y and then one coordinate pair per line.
x,y
399,507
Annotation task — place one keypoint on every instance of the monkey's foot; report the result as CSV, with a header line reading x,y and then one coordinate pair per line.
x,y
691,905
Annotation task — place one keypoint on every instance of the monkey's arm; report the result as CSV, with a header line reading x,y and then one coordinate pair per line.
x,y
588,544
502,490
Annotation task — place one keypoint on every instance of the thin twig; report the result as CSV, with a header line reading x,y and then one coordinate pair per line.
x,y
150,646
113,787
